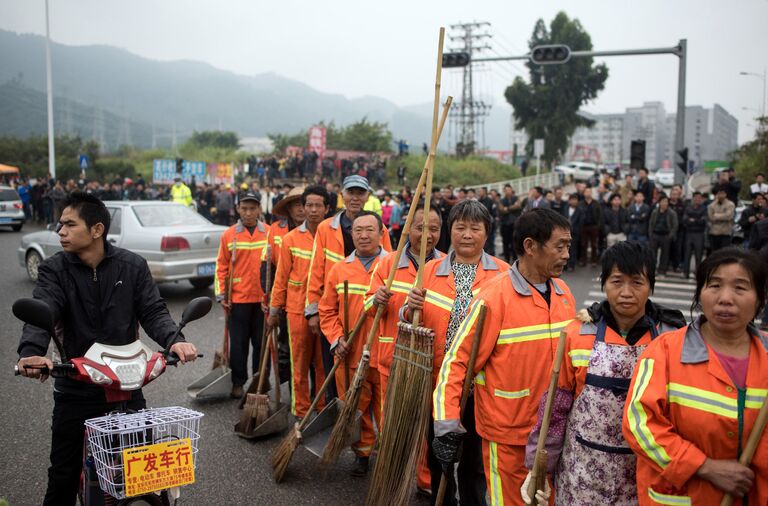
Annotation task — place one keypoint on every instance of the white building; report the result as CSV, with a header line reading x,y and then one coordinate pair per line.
x,y
710,134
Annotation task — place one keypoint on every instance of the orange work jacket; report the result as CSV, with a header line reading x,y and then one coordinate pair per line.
x,y
277,231
248,250
327,251
290,288
401,285
331,306
683,407
514,359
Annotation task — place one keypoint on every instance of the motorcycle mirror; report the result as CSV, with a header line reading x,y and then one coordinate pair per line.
x,y
35,312
196,309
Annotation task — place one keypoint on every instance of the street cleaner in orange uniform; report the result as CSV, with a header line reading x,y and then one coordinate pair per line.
x,y
696,392
601,349
356,269
333,243
449,285
289,293
289,214
526,309
395,298
247,238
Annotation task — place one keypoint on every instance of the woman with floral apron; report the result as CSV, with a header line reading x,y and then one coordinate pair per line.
x,y
588,458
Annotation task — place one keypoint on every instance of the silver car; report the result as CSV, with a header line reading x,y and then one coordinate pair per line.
x,y
11,209
177,242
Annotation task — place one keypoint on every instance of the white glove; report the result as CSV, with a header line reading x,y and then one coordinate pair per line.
x,y
542,496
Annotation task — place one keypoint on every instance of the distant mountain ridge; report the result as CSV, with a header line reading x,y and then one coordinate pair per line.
x,y
117,97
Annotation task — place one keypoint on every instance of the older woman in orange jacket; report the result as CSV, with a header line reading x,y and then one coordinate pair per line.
x,y
696,393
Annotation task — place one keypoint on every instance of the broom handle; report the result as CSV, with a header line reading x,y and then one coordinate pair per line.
x,y
345,323
429,170
263,365
275,368
751,446
264,332
230,277
541,453
465,391
331,373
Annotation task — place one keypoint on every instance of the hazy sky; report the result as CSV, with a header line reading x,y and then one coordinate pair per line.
x,y
387,48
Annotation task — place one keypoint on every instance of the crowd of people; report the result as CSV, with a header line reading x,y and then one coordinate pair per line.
x,y
637,383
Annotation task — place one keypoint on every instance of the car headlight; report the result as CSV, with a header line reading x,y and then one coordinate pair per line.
x,y
97,376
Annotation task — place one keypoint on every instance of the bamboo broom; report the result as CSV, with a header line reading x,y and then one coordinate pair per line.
x,y
407,401
751,446
283,453
539,470
465,391
344,422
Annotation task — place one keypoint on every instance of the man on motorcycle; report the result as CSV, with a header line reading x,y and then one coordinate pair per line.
x,y
97,293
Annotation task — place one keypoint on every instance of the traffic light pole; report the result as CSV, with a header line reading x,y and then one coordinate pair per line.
x,y
680,51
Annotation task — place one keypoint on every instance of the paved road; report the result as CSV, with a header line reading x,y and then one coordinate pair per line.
x,y
232,470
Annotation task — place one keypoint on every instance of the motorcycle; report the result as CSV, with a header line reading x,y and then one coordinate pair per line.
x,y
131,458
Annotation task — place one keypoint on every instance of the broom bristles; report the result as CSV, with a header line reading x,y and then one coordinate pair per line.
x,y
281,456
406,419
261,409
218,359
342,429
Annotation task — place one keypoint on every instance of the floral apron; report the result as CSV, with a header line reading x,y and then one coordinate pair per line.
x,y
597,466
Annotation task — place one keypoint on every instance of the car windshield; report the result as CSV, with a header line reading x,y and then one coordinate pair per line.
x,y
6,195
167,216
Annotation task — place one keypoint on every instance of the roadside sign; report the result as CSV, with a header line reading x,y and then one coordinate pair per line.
x,y
538,147
163,171
83,163
158,467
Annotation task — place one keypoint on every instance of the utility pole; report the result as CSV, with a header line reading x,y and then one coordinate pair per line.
x,y
469,114
49,82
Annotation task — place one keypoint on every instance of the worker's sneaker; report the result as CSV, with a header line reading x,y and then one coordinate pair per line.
x,y
360,467
237,391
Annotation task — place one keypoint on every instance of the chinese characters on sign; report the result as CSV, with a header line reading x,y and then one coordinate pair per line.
x,y
221,173
158,467
317,141
163,171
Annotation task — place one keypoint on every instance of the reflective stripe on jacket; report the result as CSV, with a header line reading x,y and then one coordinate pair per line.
x,y
277,231
514,360
683,407
327,250
331,307
401,285
290,288
246,282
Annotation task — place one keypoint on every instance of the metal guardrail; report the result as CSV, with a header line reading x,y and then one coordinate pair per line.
x,y
523,184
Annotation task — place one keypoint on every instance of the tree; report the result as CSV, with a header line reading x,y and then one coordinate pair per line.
x,y
359,136
214,139
548,107
752,157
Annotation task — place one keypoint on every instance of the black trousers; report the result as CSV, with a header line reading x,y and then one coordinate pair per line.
x,y
69,415
284,352
325,350
246,323
717,242
471,476
694,245
507,233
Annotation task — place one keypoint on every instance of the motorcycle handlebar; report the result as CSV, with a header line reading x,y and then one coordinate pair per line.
x,y
59,370
172,359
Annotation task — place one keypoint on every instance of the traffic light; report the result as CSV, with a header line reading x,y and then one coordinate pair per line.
x,y
683,164
550,54
179,166
455,60
637,154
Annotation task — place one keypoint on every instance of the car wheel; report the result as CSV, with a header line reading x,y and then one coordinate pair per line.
x,y
16,228
201,283
33,263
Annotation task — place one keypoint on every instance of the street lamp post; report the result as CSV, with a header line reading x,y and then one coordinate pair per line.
x,y
51,146
760,76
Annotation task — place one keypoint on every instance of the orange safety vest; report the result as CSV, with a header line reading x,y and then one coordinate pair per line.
x,y
683,407
331,307
248,250
514,359
441,292
290,288
327,251
402,283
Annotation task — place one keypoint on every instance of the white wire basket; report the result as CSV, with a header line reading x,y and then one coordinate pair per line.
x,y
109,435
